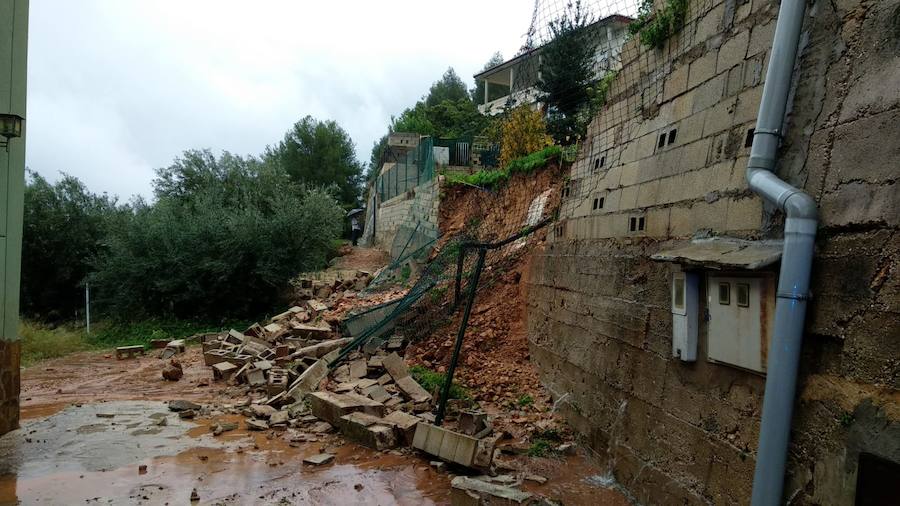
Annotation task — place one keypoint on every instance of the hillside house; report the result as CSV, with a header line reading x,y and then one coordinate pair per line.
x,y
513,81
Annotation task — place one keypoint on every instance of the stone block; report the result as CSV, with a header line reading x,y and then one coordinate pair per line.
x,y
744,214
213,357
676,82
368,430
761,38
701,70
732,52
320,349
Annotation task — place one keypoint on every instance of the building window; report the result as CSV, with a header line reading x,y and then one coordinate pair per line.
x,y
743,295
748,141
672,136
725,294
662,140
636,224
598,203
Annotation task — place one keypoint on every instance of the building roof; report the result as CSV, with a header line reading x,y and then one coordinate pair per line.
x,y
724,253
522,56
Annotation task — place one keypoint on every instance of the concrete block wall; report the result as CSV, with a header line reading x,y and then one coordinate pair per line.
x,y
416,209
599,315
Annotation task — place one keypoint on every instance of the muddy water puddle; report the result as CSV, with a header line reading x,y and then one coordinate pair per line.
x,y
124,456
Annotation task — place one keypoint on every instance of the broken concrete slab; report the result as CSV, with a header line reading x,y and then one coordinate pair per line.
x,y
123,352
472,491
182,405
320,349
309,380
254,424
358,369
262,410
395,366
319,459
413,390
306,331
377,393
472,422
279,418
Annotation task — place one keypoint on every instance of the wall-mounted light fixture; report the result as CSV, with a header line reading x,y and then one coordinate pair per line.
x,y
10,128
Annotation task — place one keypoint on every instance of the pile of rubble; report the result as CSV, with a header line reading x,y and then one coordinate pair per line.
x,y
294,383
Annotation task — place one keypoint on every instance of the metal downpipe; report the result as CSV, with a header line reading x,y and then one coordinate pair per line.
x,y
796,262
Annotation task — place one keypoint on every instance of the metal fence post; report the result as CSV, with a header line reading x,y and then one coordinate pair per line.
x,y
448,380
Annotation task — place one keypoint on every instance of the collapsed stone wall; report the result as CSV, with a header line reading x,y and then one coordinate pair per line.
x,y
599,318
409,220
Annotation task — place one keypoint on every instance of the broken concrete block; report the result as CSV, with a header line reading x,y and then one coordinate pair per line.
x,y
182,405
256,377
309,380
129,351
365,383
277,382
319,459
331,407
320,349
158,344
221,427
448,445
262,410
384,379
377,393
316,307
358,369
213,357
255,330
472,422
368,430
405,425
234,337
224,370
413,390
254,424
322,427
395,366
279,418
274,328
472,491
342,374
315,332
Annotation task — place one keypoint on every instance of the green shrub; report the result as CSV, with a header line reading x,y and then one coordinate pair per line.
x,y
490,178
431,380
539,448
525,400
40,342
654,28
223,238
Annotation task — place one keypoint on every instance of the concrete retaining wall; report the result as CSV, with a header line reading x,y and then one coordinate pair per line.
x,y
599,315
414,212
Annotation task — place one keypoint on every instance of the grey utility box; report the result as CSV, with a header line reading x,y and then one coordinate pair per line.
x,y
741,316
685,315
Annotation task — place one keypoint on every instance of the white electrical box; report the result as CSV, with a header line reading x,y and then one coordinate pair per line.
x,y
741,318
685,315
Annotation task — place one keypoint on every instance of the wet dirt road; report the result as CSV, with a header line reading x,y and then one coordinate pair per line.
x,y
91,422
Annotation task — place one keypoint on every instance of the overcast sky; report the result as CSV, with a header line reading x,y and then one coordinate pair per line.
x,y
117,88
